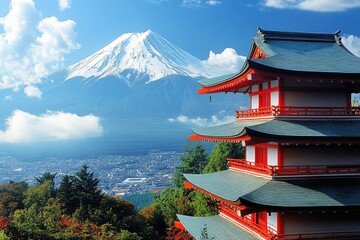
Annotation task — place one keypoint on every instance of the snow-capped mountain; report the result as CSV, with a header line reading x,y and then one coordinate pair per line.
x,y
134,56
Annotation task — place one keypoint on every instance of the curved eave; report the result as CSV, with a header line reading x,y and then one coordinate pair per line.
x,y
293,130
217,228
229,84
275,194
238,139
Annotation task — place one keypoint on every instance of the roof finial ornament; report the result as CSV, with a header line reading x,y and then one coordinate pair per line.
x,y
260,34
337,37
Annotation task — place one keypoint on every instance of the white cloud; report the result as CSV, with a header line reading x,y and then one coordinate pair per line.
x,y
51,126
64,4
352,43
223,63
32,91
191,2
30,45
203,122
314,5
213,2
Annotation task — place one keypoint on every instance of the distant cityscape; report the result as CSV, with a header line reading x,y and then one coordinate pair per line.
x,y
119,175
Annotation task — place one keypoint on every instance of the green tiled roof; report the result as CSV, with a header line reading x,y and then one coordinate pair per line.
x,y
218,80
285,128
306,56
216,226
307,193
229,185
291,52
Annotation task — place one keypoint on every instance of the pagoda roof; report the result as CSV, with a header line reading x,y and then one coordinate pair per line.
x,y
216,226
295,193
296,53
281,129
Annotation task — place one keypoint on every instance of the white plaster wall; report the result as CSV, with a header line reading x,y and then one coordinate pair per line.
x,y
315,99
255,88
250,153
254,102
274,98
265,85
321,156
272,156
320,222
272,220
274,83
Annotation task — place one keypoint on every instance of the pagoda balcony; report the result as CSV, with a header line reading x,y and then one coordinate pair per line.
x,y
269,232
298,111
242,164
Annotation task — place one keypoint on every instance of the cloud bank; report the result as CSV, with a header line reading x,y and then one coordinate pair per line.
x,y
23,127
313,5
223,63
199,3
32,46
203,122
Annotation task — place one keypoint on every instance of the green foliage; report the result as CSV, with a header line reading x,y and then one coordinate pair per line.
x,y
47,176
38,196
38,220
355,102
202,204
113,211
79,194
156,219
11,197
126,235
219,154
3,236
67,196
192,161
78,212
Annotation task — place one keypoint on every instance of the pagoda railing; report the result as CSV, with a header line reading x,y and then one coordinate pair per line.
x,y
298,111
268,232
293,170
259,228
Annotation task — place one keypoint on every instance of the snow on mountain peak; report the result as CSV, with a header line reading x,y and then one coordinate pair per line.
x,y
134,56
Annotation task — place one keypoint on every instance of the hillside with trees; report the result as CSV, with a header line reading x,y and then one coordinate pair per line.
x,y
78,210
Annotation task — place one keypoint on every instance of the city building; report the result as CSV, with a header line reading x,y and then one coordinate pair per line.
x,y
300,178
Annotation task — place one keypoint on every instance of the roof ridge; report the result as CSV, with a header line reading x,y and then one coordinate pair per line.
x,y
299,36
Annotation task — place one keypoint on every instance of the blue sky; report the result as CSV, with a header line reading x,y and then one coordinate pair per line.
x,y
62,32
38,37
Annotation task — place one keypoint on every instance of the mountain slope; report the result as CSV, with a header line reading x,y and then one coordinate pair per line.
x,y
135,56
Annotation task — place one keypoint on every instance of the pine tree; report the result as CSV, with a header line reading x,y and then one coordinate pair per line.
x,y
67,195
192,161
88,195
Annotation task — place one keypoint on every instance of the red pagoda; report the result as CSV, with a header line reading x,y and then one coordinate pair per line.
x,y
300,178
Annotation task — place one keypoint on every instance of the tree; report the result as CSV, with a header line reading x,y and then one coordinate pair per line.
x,y
67,195
38,196
192,161
87,193
219,154
47,176
79,193
202,204
11,197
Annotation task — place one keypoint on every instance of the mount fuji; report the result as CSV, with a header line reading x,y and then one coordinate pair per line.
x,y
134,85
134,56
